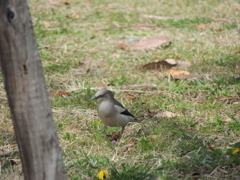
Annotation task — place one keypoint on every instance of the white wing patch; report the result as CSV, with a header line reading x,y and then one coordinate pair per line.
x,y
119,109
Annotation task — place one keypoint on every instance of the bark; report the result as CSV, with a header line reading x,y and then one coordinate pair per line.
x,y
27,95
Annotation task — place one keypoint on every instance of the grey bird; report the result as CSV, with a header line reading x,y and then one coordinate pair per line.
x,y
111,112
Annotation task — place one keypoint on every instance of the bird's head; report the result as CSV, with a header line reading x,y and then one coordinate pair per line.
x,y
103,94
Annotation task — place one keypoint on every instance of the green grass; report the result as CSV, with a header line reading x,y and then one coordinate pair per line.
x,y
78,48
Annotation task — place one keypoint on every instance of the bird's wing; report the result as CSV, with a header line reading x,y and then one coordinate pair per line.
x,y
127,113
121,109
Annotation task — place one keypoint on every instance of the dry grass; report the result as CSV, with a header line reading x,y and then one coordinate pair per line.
x,y
197,144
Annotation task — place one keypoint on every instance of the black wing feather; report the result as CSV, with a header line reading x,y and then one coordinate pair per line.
x,y
125,112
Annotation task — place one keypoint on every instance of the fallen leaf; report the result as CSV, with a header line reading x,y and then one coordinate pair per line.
x,y
151,113
74,15
153,136
219,30
229,100
183,76
114,136
196,174
165,64
156,55
212,146
166,114
178,63
183,64
175,72
47,24
157,65
150,43
130,143
14,161
227,120
122,46
61,93
203,167
201,26
235,151
130,96
171,61
66,3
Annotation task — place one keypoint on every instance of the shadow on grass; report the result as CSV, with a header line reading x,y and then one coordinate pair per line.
x,y
194,155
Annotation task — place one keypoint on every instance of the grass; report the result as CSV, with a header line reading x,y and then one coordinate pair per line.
x,y
78,48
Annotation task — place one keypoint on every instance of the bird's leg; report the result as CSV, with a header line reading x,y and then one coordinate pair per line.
x,y
123,127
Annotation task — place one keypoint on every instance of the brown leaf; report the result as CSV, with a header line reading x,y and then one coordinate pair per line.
x,y
114,136
183,64
130,143
15,161
66,3
201,26
157,65
130,96
151,113
166,114
61,93
74,16
100,84
227,120
165,64
212,146
178,63
175,72
196,174
153,136
47,24
151,43
219,30
190,76
122,46
229,100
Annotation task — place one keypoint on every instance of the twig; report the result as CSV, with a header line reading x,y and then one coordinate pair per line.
x,y
213,171
98,88
126,27
6,154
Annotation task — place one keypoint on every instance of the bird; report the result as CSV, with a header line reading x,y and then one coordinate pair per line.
x,y
111,112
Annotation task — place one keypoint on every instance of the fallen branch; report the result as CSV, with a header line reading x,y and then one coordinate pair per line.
x,y
126,27
98,88
6,154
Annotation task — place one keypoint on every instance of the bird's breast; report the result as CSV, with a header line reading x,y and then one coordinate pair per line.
x,y
105,109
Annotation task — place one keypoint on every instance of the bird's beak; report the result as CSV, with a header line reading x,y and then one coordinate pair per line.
x,y
94,97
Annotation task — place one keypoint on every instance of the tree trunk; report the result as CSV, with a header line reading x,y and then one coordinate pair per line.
x,y
27,95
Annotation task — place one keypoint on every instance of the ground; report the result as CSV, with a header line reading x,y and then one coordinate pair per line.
x,y
82,49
